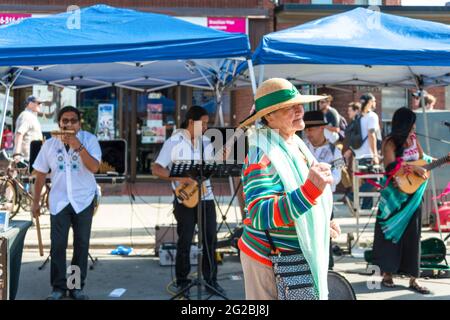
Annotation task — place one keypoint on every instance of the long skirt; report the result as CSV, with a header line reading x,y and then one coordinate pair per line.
x,y
402,257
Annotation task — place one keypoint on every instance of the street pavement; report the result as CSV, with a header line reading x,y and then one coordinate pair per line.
x,y
120,220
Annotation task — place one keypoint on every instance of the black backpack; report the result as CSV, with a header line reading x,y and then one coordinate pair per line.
x,y
353,134
343,128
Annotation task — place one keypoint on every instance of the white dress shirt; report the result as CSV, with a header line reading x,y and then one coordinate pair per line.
x,y
27,124
71,181
324,153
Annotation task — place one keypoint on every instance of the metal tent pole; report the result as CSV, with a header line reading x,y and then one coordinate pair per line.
x,y
427,143
10,80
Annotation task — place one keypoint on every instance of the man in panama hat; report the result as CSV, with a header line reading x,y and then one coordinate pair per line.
x,y
287,197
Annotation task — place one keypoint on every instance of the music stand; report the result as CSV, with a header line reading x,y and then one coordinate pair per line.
x,y
224,215
199,171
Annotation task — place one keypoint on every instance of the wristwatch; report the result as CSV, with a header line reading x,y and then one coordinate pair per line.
x,y
79,149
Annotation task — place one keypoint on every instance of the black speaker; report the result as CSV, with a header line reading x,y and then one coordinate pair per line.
x,y
114,155
239,145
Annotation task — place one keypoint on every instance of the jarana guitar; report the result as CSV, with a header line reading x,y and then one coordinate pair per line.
x,y
409,182
188,194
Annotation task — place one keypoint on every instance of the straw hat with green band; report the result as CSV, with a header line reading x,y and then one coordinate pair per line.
x,y
275,94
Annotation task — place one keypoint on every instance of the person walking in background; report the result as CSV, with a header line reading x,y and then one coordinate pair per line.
x,y
370,130
353,114
28,129
430,102
332,117
368,153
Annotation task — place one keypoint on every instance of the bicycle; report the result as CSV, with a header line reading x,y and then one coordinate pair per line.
x,y
14,187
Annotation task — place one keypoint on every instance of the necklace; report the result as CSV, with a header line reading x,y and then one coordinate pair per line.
x,y
319,145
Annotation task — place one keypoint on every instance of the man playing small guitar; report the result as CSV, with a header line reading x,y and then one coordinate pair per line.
x,y
185,144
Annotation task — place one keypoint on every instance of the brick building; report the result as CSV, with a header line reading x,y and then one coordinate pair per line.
x,y
291,13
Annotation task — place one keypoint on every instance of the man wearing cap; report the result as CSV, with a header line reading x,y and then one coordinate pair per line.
x,y
416,99
429,100
288,200
333,132
28,129
323,150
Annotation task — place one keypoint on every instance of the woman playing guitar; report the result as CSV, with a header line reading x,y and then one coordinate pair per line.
x,y
398,227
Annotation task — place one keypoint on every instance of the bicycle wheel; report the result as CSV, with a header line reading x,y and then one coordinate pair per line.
x,y
9,198
25,198
45,200
25,202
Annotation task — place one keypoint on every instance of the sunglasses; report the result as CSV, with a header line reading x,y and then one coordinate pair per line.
x,y
72,120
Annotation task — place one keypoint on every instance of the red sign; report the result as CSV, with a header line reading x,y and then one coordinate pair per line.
x,y
235,25
6,18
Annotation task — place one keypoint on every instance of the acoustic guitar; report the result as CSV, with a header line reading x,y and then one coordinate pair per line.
x,y
409,182
187,193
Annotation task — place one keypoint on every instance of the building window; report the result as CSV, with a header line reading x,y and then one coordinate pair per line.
x,y
321,1
94,117
391,100
154,124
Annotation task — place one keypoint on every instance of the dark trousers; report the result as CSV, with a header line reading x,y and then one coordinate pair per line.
x,y
60,224
402,257
186,220
331,259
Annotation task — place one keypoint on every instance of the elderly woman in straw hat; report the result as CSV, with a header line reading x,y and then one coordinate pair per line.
x,y
287,198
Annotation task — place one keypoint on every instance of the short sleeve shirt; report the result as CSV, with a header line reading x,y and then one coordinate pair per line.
x,y
179,147
27,124
71,181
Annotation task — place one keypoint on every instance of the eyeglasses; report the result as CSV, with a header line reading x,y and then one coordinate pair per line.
x,y
72,120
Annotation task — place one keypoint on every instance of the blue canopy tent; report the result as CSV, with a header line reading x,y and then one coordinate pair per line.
x,y
102,46
358,47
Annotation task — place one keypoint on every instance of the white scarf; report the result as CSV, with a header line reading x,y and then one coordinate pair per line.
x,y
313,227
